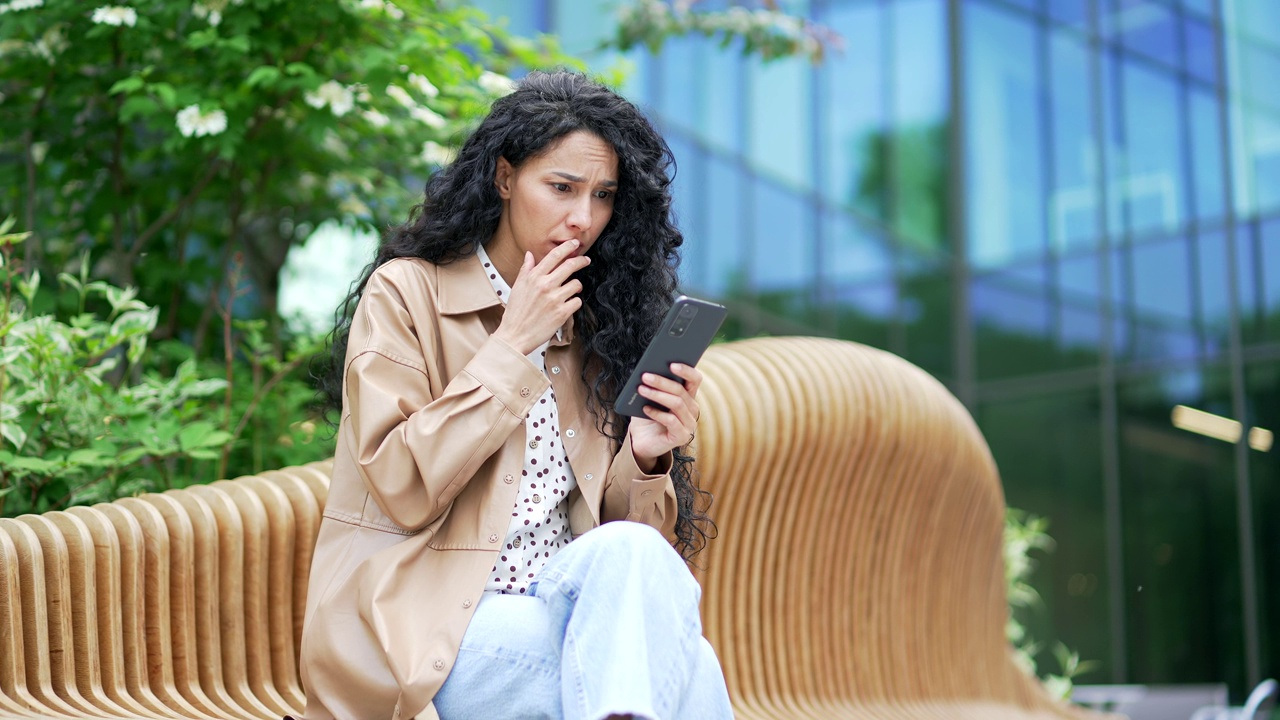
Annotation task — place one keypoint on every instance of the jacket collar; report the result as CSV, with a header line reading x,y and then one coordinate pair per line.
x,y
463,288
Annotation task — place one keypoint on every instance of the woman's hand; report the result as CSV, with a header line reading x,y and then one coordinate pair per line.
x,y
543,298
663,431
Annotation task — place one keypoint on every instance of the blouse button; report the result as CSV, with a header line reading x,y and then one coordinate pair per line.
x,y
569,432
533,444
439,664
516,543
508,479
524,392
493,537
466,603
588,476
555,369
537,498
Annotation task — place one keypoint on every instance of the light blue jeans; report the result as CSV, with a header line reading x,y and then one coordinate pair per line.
x,y
610,627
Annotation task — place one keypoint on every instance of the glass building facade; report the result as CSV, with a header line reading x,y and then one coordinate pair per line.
x,y
1067,210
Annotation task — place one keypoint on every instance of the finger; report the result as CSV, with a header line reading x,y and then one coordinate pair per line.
x,y
676,431
691,375
665,384
677,404
553,259
566,269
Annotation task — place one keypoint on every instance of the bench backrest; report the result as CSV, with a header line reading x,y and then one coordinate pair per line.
x,y
858,571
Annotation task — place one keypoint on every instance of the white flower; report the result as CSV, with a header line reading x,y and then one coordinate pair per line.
x,y
17,5
434,153
51,44
401,96
192,122
38,152
353,205
212,13
115,15
423,85
376,118
393,12
428,117
496,84
339,99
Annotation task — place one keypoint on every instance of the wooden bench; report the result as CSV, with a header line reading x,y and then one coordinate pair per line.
x,y
858,572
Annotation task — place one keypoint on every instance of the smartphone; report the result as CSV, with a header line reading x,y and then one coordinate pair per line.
x,y
685,333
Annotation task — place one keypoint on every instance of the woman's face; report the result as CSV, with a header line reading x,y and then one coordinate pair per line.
x,y
565,193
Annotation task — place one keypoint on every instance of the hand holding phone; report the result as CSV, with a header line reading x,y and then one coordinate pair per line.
x,y
683,337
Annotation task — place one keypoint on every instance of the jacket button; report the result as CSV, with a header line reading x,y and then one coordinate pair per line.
x,y
439,664
466,603
508,479
569,432
524,392
588,476
493,537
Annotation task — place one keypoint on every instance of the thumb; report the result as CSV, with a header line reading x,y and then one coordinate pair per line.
x,y
528,263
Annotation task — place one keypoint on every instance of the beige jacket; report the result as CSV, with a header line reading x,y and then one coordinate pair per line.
x,y
426,472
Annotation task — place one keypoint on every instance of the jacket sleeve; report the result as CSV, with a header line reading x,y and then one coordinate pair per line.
x,y
416,451
631,494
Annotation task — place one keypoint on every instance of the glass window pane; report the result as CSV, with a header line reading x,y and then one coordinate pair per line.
x,y
780,127
1162,300
679,100
1215,297
1259,190
865,314
784,239
1269,267
1148,28
1201,46
1005,129
1073,202
726,230
1071,12
1152,186
853,116
1206,157
721,80
1080,327
582,25
918,148
1049,453
1259,18
690,208
1013,324
926,310
852,252
1182,564
1262,383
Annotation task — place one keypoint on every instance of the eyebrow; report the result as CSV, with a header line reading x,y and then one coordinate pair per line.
x,y
575,178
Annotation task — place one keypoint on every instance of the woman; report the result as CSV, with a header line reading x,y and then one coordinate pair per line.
x,y
476,378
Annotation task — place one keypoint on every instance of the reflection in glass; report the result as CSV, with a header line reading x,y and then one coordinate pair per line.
x,y
1080,326
783,257
1012,322
1004,176
722,116
865,314
853,84
779,132
1073,202
917,150
1268,271
1206,157
1049,453
1161,307
1262,385
1152,185
1147,28
1180,533
851,251
727,234
1201,47
679,101
1215,295
690,207
926,317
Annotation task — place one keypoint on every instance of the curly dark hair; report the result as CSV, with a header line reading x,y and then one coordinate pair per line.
x,y
628,286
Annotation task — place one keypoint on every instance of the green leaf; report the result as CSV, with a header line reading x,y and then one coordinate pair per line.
x,y
127,85
299,68
265,76
39,466
138,105
88,457
168,96
202,434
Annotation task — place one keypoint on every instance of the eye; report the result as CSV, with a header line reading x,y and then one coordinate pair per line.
x,y
561,187
604,194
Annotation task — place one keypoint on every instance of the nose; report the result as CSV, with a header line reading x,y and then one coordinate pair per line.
x,y
580,214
